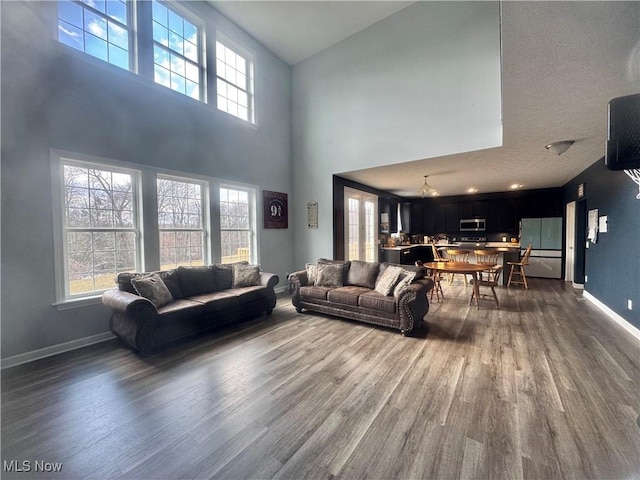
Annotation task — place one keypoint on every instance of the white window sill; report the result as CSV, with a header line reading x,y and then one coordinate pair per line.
x,y
78,302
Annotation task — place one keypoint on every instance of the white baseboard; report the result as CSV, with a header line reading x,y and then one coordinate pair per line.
x,y
54,350
282,289
613,315
577,286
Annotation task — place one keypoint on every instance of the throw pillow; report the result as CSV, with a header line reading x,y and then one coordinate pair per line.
x,y
388,280
153,289
363,274
345,266
329,275
312,273
246,275
406,277
223,273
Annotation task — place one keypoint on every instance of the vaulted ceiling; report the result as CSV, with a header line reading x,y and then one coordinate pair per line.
x,y
562,63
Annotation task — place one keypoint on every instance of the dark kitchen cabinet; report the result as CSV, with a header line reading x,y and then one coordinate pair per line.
x,y
405,216
479,209
416,217
509,215
404,256
465,209
393,215
388,206
452,219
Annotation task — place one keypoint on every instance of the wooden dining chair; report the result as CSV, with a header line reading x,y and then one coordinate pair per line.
x,y
436,277
460,256
490,281
437,257
489,258
517,275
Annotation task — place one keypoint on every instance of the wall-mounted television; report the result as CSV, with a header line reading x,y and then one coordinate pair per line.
x,y
622,151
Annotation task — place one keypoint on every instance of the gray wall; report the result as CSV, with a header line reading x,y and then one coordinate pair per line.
x,y
612,264
53,99
422,83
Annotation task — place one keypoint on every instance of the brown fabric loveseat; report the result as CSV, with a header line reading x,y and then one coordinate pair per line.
x,y
361,291
198,299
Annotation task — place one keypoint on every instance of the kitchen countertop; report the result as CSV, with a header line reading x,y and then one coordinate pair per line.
x,y
500,246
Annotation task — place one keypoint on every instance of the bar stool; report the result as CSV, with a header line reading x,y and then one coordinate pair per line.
x,y
517,270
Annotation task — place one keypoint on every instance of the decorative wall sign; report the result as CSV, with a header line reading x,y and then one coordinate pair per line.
x,y
275,209
312,214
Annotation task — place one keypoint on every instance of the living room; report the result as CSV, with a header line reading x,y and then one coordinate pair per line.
x,y
309,124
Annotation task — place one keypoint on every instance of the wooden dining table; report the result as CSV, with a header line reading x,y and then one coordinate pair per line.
x,y
460,267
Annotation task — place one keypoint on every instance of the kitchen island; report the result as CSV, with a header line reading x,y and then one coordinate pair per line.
x,y
409,254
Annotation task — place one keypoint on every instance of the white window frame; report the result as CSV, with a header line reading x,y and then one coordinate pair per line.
x,y
247,88
253,230
204,214
129,27
58,161
201,63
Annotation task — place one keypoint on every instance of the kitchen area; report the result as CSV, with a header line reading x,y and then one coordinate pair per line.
x,y
507,222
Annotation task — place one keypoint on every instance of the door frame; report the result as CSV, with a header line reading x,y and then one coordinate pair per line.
x,y
570,242
575,247
362,196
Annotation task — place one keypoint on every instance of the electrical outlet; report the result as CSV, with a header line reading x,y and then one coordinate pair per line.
x,y
629,304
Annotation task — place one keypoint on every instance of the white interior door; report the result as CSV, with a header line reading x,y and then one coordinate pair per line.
x,y
570,240
361,225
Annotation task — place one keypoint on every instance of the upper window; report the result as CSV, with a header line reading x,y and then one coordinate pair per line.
x,y
181,221
177,52
97,27
237,225
234,83
100,226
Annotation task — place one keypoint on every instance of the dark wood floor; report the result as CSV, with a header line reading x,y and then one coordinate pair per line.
x,y
544,388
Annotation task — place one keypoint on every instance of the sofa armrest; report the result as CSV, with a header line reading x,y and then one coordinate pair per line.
x,y
297,279
269,280
413,304
134,318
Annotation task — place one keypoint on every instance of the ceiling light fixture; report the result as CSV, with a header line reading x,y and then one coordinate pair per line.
x,y
427,189
559,147
515,186
472,190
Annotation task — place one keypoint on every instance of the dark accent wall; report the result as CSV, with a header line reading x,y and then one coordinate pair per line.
x,y
612,265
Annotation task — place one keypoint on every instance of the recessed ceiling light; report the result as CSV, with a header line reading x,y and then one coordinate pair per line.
x,y
472,190
516,186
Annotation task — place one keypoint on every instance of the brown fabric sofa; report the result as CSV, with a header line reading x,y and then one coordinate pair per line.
x,y
357,298
202,298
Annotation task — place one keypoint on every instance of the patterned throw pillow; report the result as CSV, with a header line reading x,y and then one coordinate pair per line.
x,y
406,277
153,289
246,275
330,275
388,280
312,273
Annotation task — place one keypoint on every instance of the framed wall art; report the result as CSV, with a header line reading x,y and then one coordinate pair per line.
x,y
275,209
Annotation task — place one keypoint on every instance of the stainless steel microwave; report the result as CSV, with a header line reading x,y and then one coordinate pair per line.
x,y
473,225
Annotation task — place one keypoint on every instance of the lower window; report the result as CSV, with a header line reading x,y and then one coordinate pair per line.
x,y
237,224
181,222
100,233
